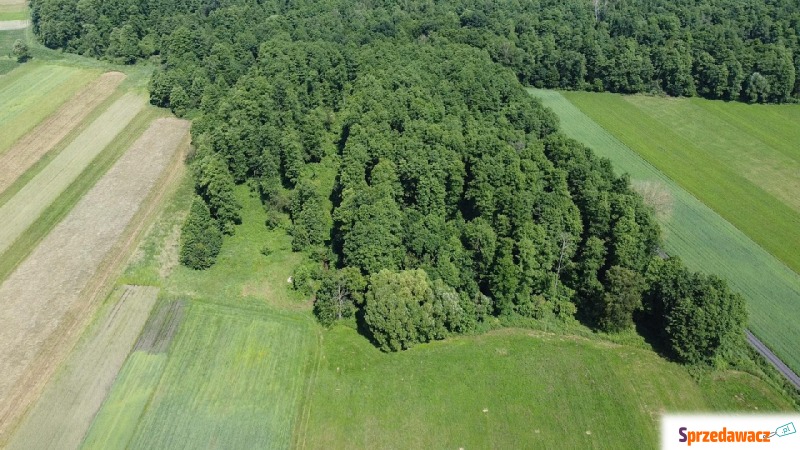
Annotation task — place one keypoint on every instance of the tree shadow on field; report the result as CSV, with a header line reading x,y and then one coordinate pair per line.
x,y
649,331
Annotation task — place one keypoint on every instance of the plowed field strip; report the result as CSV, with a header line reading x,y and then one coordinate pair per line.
x,y
50,290
32,200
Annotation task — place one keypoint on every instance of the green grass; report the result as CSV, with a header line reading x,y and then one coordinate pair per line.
x,y
13,15
701,237
28,240
506,389
743,161
33,92
230,380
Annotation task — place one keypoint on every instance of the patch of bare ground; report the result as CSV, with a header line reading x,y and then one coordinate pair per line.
x,y
50,297
42,139
64,413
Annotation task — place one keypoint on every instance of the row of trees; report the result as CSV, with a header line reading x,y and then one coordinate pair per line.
x,y
430,191
726,49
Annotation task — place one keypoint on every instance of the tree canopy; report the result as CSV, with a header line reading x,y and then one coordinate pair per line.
x,y
416,170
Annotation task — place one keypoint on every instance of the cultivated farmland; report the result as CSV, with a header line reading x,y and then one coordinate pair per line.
x,y
33,92
46,295
63,414
230,379
41,140
702,238
34,198
743,161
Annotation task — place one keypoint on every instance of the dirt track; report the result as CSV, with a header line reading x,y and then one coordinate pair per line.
x,y
51,288
39,141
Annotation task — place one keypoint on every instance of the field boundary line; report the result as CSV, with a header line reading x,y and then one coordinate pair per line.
x,y
46,136
301,428
15,254
98,288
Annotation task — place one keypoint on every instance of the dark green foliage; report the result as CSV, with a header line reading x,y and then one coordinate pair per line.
x,y
701,317
338,294
401,142
215,185
622,299
20,51
201,238
312,222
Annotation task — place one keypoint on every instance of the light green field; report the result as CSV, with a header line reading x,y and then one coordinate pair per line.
x,y
741,160
32,92
507,389
701,237
231,379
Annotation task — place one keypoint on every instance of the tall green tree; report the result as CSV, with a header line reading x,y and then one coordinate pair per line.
x,y
201,238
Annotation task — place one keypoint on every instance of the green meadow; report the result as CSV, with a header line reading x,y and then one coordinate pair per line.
x,y
704,239
508,389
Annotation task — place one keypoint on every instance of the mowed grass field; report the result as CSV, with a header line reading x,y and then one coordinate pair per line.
x,y
507,389
230,379
700,236
34,91
741,160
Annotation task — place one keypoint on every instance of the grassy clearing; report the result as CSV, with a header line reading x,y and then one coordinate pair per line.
x,y
507,389
702,238
65,411
743,161
13,15
22,210
35,93
230,380
242,277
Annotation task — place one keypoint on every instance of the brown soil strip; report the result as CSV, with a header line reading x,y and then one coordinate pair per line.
x,y
42,139
47,301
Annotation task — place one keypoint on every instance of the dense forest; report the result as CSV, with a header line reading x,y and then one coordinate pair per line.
x,y
397,145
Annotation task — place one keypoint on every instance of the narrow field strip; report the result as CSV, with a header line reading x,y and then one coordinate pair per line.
x,y
6,25
68,405
30,95
703,239
42,139
46,290
32,200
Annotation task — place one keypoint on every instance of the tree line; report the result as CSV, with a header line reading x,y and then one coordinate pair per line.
x,y
430,192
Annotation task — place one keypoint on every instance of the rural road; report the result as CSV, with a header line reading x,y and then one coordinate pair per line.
x,y
774,360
